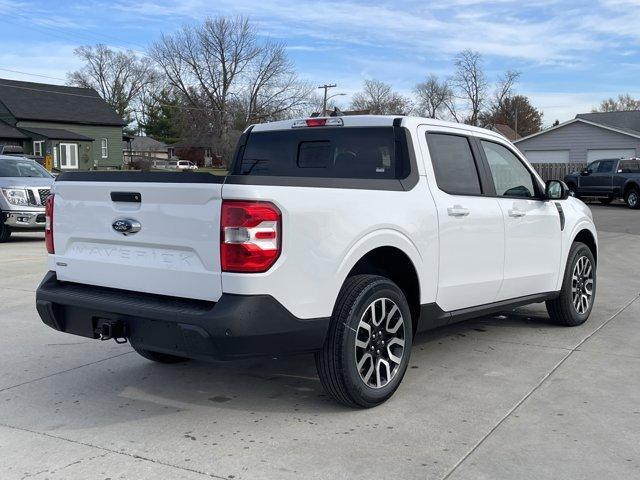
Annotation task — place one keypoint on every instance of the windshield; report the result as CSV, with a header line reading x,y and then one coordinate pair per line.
x,y
22,167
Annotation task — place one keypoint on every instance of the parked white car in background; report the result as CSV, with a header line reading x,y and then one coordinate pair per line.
x,y
342,236
183,165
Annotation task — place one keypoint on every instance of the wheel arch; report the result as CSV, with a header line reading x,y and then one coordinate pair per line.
x,y
629,184
392,255
585,236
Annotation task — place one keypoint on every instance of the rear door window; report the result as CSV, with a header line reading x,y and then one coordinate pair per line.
x,y
353,152
453,164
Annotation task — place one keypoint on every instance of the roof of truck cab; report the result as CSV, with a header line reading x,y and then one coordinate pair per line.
x,y
378,121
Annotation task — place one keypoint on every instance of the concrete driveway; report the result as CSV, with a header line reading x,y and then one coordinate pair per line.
x,y
502,397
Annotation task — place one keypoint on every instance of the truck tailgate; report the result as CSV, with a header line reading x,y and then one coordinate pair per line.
x,y
176,252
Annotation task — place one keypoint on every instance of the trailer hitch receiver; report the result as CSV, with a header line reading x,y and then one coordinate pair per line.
x,y
116,330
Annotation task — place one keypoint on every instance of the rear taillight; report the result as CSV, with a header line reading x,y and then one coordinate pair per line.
x,y
250,236
48,226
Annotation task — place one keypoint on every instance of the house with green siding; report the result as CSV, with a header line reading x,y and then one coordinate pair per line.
x,y
71,127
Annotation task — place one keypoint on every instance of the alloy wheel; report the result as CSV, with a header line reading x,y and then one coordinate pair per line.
x,y
582,285
379,343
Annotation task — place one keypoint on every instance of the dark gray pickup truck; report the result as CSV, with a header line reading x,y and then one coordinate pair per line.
x,y
607,180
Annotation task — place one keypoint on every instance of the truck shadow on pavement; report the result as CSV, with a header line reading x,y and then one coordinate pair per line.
x,y
129,388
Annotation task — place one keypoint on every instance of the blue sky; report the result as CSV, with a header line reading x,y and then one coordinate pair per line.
x,y
571,53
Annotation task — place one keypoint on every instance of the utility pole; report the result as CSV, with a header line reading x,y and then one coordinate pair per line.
x,y
324,102
516,121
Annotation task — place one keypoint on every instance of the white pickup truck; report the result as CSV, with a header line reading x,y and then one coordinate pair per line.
x,y
343,236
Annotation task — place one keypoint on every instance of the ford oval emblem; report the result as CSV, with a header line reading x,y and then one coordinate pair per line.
x,y
126,226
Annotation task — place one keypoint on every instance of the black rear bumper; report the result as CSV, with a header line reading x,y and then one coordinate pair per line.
x,y
236,326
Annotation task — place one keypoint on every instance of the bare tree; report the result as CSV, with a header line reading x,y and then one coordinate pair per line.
x,y
435,98
273,89
470,83
225,74
204,63
118,77
379,98
498,108
624,102
505,87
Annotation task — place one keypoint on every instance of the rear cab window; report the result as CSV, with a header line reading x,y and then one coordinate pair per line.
x,y
325,152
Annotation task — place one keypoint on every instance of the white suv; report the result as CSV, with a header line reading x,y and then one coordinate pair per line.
x,y
342,236
183,165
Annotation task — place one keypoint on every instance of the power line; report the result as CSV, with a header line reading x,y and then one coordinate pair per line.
x,y
67,35
32,74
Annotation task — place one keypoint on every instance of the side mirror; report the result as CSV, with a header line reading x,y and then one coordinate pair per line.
x,y
585,172
556,190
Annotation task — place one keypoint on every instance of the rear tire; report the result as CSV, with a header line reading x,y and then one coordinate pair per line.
x,y
632,198
5,233
157,356
367,349
605,200
577,295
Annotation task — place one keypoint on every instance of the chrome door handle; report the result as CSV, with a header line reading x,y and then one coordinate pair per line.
x,y
457,211
514,212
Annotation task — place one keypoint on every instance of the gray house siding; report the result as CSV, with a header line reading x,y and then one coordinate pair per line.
x,y
578,137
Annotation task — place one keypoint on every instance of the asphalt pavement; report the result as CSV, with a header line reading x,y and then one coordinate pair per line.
x,y
501,397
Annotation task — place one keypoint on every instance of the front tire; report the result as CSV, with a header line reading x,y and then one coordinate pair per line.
x,y
632,198
575,302
367,349
5,233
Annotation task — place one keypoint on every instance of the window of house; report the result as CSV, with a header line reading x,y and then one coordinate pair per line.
x,y
105,148
510,177
453,164
38,147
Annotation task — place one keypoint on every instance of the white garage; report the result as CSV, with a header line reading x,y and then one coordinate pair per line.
x,y
599,154
547,156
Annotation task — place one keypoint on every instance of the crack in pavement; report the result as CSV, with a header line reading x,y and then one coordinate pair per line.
x,y
56,470
535,388
110,450
62,371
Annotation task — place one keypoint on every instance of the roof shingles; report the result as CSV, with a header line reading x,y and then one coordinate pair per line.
x,y
56,103
627,120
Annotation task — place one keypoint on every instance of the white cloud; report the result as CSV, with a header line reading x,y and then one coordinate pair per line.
x,y
564,106
51,59
544,31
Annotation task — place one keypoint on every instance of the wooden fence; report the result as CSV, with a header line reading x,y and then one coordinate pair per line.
x,y
557,171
